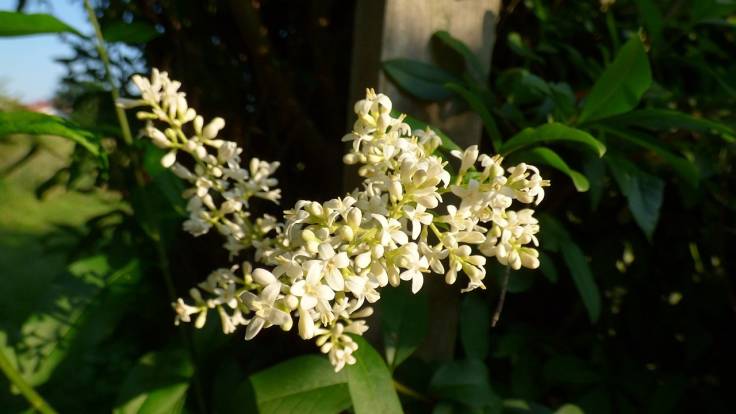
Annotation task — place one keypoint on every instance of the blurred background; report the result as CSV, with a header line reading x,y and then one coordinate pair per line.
x,y
633,310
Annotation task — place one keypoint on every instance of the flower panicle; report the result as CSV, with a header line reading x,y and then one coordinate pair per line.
x,y
323,264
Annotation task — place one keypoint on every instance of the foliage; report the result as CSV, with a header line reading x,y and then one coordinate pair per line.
x,y
628,108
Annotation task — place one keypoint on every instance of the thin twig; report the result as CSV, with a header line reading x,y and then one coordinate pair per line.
x,y
155,235
502,298
34,398
403,389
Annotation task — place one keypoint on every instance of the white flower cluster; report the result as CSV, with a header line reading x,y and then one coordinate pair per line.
x,y
325,260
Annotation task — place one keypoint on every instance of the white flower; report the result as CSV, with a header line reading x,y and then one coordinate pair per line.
x,y
331,264
266,313
311,290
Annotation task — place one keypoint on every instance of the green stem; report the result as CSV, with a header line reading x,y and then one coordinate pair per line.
x,y
502,297
35,399
122,119
155,236
403,389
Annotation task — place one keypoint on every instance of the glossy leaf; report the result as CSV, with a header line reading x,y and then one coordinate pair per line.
x,y
644,192
665,119
621,85
370,383
475,326
552,132
33,123
132,33
545,156
21,24
404,322
306,384
419,79
157,384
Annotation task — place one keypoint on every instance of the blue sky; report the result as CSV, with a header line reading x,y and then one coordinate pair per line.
x,y
27,68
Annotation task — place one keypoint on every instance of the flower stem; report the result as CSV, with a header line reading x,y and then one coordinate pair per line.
x,y
502,298
122,120
34,398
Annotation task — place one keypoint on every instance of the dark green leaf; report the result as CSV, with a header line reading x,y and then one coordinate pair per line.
x,y
583,278
652,19
524,407
419,79
516,44
552,132
475,326
157,384
548,268
472,63
20,24
132,33
644,192
466,382
476,103
404,322
306,384
683,167
370,383
33,123
545,156
665,119
621,85
556,238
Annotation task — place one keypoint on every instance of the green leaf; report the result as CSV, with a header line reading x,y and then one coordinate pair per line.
x,y
621,85
404,322
475,326
472,64
665,119
132,33
643,192
33,123
306,384
682,166
157,384
548,268
542,155
524,407
556,238
447,143
516,44
21,24
569,409
370,383
549,133
419,79
652,19
466,382
476,103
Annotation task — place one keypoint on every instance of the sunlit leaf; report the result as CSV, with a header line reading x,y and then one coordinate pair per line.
x,y
545,156
306,384
552,132
621,85
157,384
34,123
370,383
665,119
21,24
